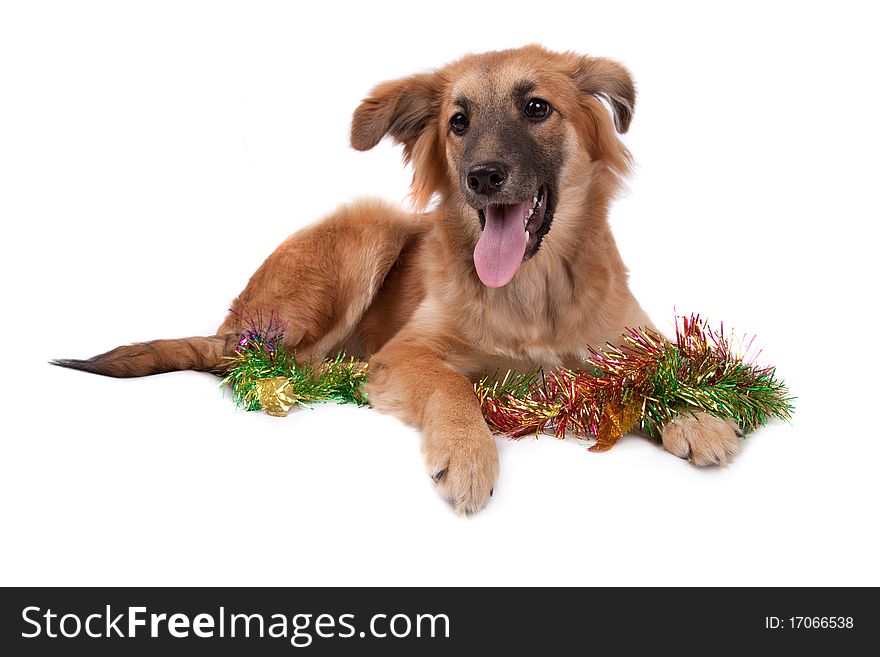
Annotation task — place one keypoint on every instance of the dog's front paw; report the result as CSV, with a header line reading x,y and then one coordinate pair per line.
x,y
701,438
464,467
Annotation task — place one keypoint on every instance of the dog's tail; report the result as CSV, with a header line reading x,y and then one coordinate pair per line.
x,y
204,354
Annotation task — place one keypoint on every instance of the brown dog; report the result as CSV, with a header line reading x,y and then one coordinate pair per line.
x,y
516,266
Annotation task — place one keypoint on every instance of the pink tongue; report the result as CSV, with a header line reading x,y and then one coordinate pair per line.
x,y
502,245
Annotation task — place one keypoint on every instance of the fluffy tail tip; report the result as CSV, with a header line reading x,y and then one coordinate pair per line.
x,y
72,363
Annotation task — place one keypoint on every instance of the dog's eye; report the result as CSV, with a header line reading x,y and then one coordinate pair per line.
x,y
537,109
459,123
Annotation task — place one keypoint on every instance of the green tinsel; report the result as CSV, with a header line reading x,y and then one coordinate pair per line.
x,y
259,356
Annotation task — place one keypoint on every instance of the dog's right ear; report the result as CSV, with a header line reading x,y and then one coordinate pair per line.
x,y
400,108
406,109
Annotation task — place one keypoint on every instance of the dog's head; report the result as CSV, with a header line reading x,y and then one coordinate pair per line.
x,y
510,137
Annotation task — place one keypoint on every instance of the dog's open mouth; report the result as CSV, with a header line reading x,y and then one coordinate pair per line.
x,y
511,235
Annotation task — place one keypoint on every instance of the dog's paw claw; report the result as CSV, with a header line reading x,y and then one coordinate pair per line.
x,y
465,469
702,439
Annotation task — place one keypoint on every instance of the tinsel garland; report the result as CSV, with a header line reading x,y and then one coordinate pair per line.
x,y
262,374
641,384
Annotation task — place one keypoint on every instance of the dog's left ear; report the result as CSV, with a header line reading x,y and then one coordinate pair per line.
x,y
407,110
609,81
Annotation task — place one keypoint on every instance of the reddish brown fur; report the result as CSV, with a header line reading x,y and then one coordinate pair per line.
x,y
402,291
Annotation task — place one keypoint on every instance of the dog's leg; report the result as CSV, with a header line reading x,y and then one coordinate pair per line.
x,y
701,438
320,281
413,383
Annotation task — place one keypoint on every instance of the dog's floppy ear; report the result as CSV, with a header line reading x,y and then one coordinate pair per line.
x,y
609,81
400,108
407,110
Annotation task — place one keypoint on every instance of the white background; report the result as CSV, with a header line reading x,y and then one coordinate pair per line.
x,y
152,154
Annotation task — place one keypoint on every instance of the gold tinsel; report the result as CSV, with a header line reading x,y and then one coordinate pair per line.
x,y
276,395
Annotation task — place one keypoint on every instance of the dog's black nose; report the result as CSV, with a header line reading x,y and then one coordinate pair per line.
x,y
486,178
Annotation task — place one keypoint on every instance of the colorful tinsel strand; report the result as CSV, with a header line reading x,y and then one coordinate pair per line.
x,y
261,358
641,384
